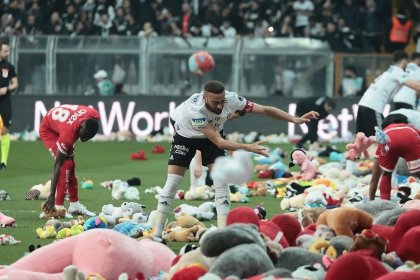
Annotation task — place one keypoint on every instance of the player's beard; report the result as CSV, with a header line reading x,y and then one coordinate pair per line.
x,y
216,111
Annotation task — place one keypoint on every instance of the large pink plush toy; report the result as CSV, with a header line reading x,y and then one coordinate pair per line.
x,y
308,169
103,251
360,145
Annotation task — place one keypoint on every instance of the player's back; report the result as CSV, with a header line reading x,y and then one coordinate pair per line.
x,y
68,117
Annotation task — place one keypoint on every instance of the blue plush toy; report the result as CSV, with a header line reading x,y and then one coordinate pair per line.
x,y
95,222
87,184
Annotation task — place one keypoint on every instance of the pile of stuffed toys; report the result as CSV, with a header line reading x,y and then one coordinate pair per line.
x,y
326,229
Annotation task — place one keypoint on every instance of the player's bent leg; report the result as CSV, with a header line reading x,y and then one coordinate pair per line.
x,y
222,201
172,184
73,186
62,184
385,185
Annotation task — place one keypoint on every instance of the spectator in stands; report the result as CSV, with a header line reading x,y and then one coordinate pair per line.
x,y
371,28
334,37
286,27
69,18
351,84
315,29
147,30
227,30
303,10
120,22
399,36
104,85
188,19
105,27
350,13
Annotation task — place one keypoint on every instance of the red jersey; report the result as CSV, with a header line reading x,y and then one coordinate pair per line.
x,y
62,123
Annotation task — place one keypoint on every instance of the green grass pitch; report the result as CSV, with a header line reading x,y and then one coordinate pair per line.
x,y
31,164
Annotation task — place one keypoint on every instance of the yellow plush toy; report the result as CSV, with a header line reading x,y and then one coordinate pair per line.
x,y
49,232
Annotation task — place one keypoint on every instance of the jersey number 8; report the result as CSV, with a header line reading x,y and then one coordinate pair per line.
x,y
61,114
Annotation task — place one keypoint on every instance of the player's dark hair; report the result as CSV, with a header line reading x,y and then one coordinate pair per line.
x,y
214,87
399,55
415,55
4,41
92,127
330,102
394,118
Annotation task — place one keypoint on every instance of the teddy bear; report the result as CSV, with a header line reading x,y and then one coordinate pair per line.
x,y
49,232
370,241
359,147
128,209
308,169
346,220
199,193
307,216
194,211
184,229
40,191
238,250
55,213
113,254
191,234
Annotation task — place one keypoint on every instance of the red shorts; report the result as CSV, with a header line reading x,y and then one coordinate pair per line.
x,y
48,137
405,143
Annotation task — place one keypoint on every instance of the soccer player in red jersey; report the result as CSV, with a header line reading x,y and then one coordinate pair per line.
x,y
61,127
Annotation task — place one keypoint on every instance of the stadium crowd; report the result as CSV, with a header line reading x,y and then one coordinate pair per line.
x,y
348,25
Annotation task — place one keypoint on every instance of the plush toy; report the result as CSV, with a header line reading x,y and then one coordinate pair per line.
x,y
293,203
289,226
370,241
294,257
355,265
193,211
111,213
6,221
345,220
49,232
95,222
233,169
40,191
191,234
239,250
7,239
55,213
199,193
359,147
395,234
128,209
87,184
113,254
308,169
307,216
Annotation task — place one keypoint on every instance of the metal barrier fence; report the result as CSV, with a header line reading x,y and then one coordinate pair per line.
x,y
259,67
56,65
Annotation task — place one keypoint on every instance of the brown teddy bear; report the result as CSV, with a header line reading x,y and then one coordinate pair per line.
x,y
60,213
308,216
370,241
346,220
191,234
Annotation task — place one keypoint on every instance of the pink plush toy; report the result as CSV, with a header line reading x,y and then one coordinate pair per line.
x,y
103,251
360,145
6,221
308,169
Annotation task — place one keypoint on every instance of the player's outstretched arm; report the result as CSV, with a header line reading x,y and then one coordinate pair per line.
x,y
376,174
279,114
414,85
214,136
58,162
